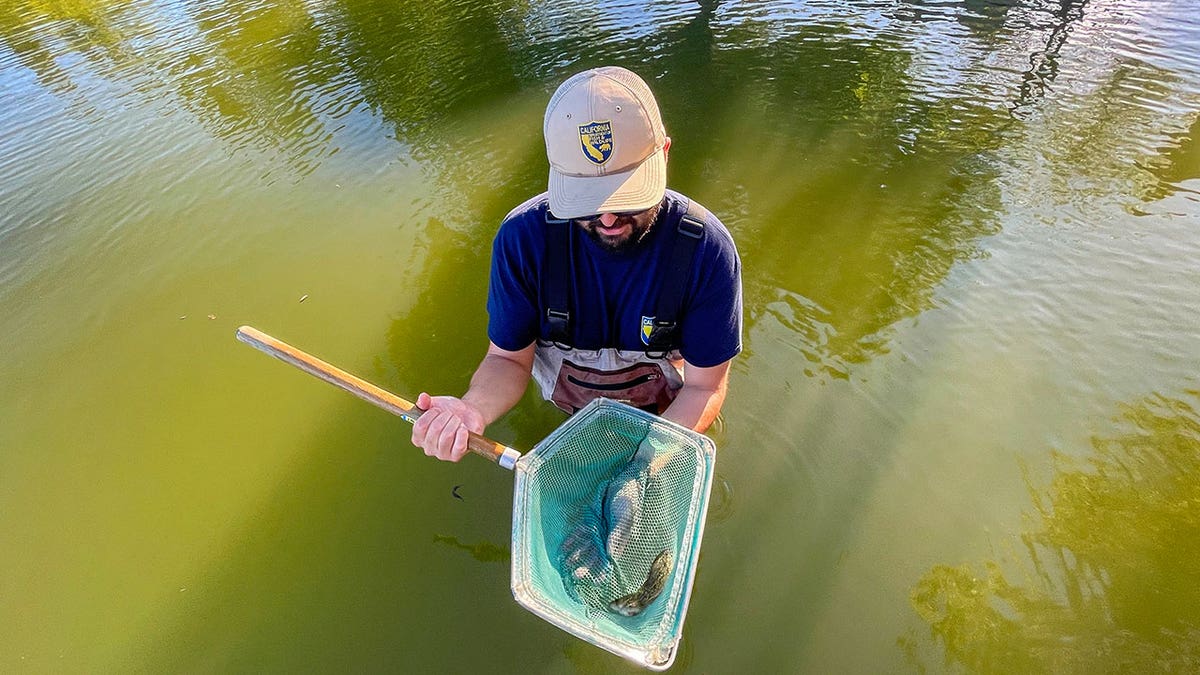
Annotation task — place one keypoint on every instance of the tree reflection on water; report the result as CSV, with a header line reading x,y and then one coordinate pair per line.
x,y
1113,558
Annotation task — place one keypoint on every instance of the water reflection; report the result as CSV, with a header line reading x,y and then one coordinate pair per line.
x,y
839,97
460,108
893,191
861,101
417,71
1177,162
917,190
281,77
1044,63
1113,558
414,65
40,33
254,72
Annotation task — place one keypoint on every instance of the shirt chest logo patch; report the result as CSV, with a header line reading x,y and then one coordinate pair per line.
x,y
596,139
647,329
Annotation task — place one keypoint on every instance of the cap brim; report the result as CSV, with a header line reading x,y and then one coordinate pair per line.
x,y
636,190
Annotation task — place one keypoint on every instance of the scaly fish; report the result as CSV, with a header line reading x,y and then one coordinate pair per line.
x,y
656,580
611,522
623,502
582,556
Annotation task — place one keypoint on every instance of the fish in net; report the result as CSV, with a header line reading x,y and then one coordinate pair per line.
x,y
601,556
608,519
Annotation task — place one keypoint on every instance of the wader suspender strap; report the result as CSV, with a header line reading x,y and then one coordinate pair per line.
x,y
556,284
664,332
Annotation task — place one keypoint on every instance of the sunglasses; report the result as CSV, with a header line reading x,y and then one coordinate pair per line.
x,y
618,214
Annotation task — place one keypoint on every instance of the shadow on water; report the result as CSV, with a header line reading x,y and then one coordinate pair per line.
x,y
1112,557
484,551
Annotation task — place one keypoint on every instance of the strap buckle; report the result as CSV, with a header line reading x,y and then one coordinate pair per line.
x,y
660,338
560,328
691,228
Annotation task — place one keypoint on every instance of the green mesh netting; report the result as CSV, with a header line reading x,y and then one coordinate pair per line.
x,y
596,503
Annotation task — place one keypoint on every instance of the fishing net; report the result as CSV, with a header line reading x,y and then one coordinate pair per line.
x,y
596,504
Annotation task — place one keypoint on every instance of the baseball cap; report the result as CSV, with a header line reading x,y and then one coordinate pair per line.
x,y
605,142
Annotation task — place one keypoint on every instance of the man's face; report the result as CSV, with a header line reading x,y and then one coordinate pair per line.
x,y
619,232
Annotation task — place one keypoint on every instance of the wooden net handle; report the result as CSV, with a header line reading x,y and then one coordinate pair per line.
x,y
406,410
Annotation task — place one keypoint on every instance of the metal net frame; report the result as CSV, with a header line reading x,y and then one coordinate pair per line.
x,y
567,564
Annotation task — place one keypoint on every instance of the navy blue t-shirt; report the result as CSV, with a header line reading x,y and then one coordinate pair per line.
x,y
614,291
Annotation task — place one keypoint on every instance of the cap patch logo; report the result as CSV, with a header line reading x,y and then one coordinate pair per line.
x,y
597,141
647,328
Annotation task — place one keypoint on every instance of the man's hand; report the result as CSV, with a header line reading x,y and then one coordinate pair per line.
x,y
496,386
442,429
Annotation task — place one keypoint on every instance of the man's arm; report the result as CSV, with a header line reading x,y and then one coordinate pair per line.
x,y
698,402
497,385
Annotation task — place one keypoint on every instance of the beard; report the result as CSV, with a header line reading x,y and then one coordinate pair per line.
x,y
630,229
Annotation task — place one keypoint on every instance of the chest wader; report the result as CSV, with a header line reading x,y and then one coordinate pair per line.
x,y
648,379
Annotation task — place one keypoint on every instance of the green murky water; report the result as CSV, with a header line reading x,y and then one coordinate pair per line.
x,y
964,433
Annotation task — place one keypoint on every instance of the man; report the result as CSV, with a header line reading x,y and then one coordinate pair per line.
x,y
606,285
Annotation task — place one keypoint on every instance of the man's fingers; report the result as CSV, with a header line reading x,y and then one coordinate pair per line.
x,y
446,441
435,434
423,427
420,430
427,430
460,444
424,401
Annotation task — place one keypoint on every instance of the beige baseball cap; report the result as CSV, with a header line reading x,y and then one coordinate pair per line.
x,y
606,144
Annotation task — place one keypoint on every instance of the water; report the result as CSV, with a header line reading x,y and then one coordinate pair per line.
x,y
963,433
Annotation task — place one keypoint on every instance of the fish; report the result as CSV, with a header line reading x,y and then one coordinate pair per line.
x,y
612,520
621,506
652,587
582,556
